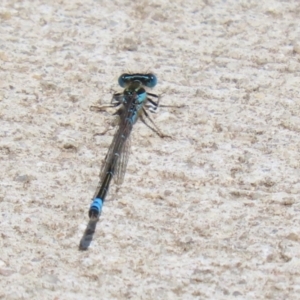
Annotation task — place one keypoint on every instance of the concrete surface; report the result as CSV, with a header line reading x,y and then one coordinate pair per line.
x,y
212,213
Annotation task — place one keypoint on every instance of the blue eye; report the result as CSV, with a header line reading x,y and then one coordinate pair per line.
x,y
148,80
123,80
152,81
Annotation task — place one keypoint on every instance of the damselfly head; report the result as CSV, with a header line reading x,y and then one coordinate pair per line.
x,y
148,80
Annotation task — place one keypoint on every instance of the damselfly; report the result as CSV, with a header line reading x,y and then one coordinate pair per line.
x,y
132,103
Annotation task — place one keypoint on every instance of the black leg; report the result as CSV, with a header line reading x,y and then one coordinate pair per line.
x,y
154,128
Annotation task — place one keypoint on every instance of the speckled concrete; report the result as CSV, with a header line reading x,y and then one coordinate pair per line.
x,y
213,212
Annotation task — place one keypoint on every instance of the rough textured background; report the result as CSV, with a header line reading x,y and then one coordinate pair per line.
x,y
212,213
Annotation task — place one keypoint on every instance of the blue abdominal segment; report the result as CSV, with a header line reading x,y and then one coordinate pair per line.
x,y
96,207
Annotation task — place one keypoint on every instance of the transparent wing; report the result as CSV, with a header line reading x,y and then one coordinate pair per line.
x,y
122,162
116,158
109,159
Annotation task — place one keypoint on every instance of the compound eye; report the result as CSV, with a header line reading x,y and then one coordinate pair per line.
x,y
152,80
123,79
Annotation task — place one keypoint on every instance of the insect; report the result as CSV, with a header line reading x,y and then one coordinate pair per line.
x,y
132,104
